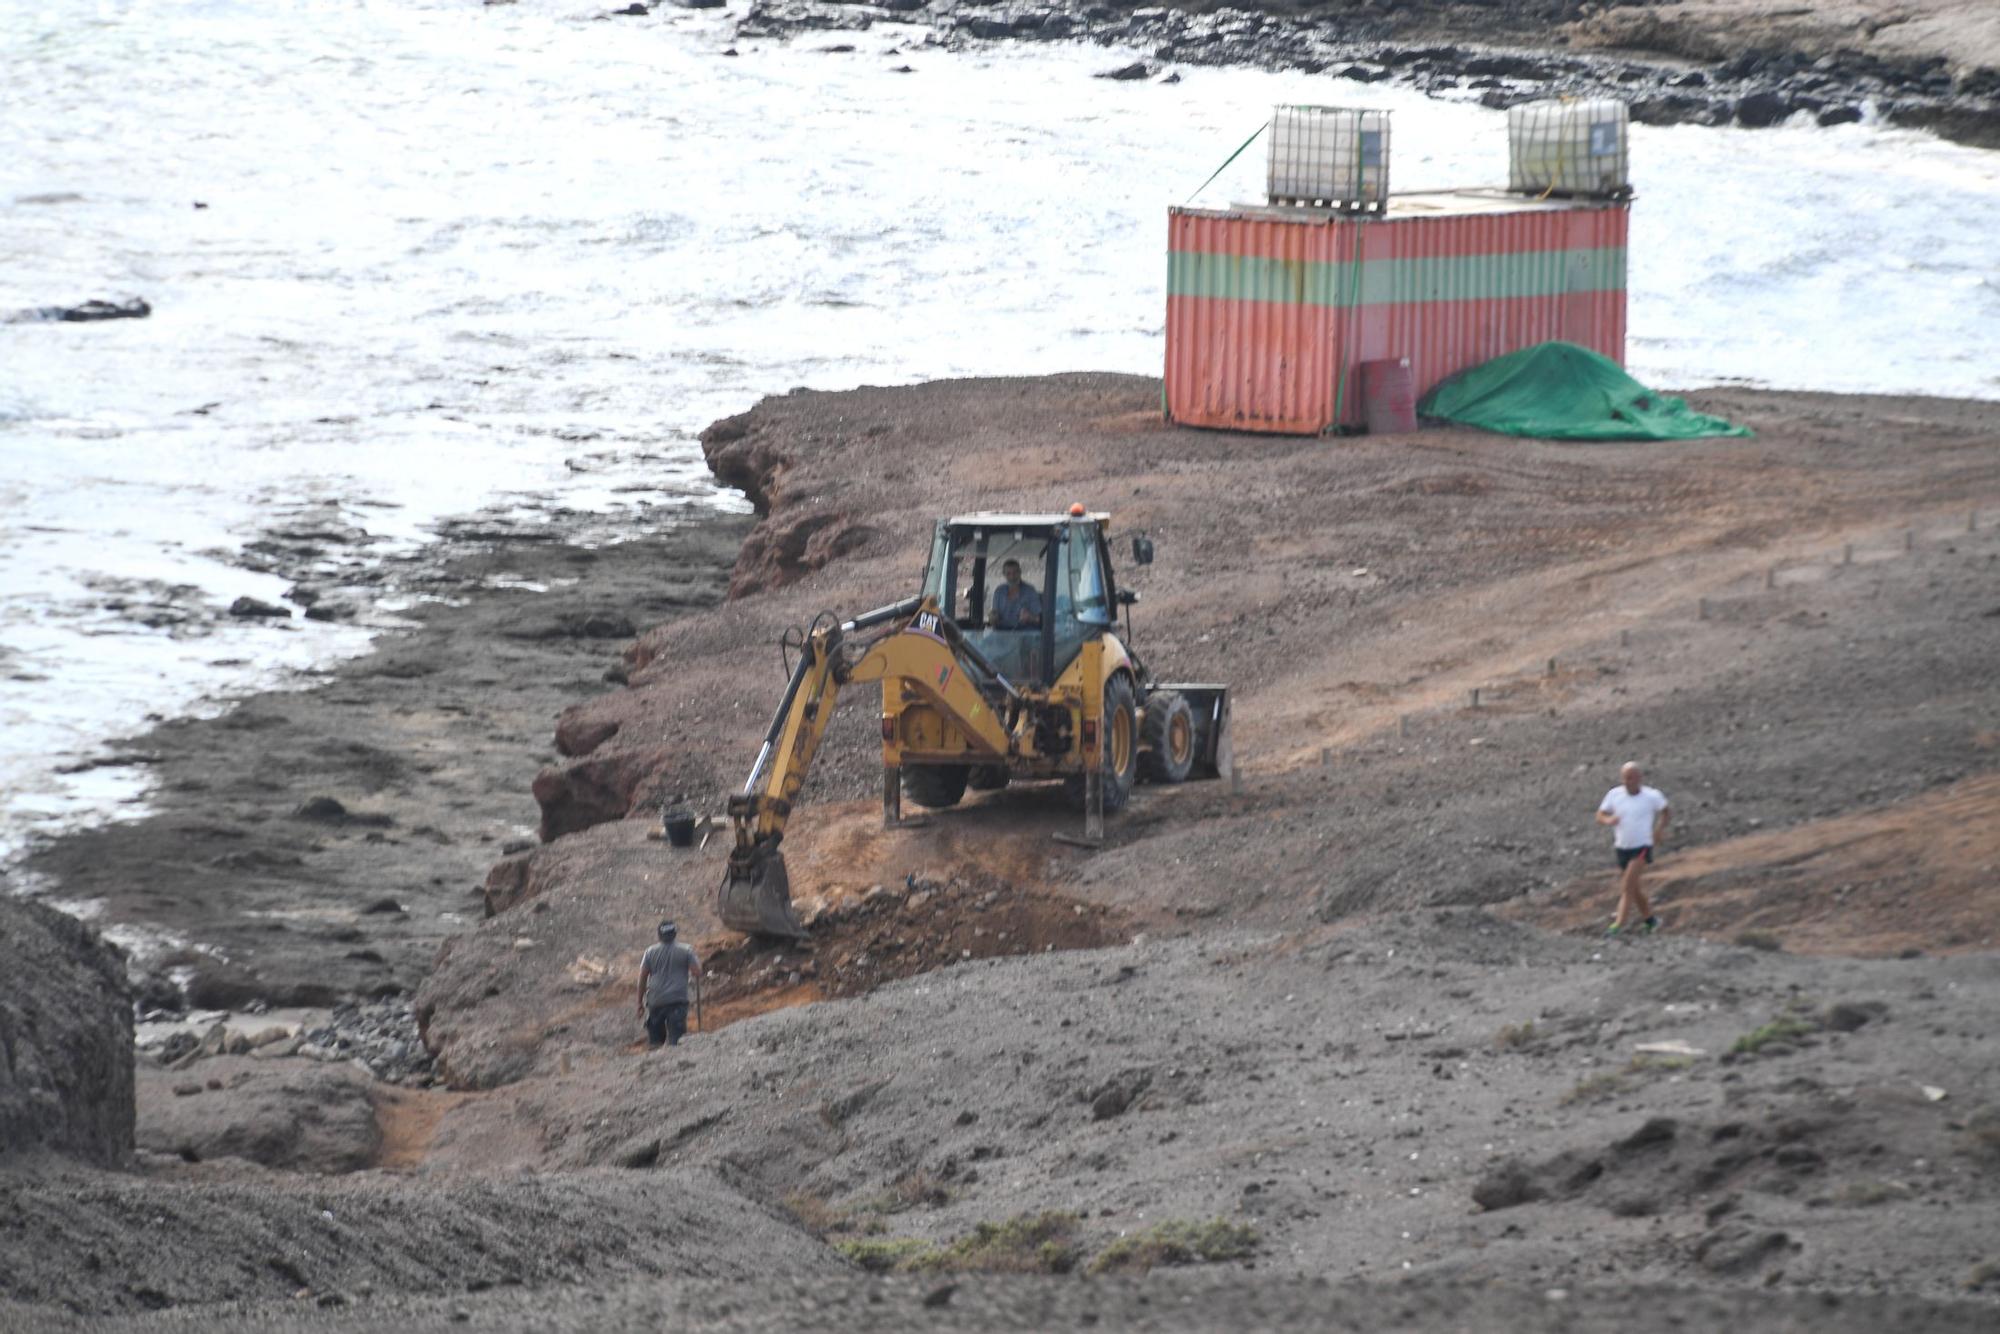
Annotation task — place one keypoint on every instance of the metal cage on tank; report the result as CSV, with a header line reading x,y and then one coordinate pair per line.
x,y
1329,157
1570,148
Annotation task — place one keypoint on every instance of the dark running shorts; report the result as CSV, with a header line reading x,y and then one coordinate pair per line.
x,y
1626,855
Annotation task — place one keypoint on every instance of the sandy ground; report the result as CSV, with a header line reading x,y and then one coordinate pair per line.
x,y
1358,1003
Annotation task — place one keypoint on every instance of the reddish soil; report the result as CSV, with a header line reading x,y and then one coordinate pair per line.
x,y
1917,876
896,931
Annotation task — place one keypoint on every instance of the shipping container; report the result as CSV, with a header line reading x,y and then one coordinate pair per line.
x,y
1271,311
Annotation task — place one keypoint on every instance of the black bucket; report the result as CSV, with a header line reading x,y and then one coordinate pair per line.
x,y
680,828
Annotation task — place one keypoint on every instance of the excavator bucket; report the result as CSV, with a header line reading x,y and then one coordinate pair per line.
x,y
757,895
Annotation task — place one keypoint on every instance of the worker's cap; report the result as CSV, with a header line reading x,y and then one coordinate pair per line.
x,y
667,930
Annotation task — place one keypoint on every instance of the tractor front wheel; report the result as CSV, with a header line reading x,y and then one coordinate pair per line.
x,y
1168,736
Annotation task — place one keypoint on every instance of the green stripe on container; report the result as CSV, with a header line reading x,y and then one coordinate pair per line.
x,y
1396,281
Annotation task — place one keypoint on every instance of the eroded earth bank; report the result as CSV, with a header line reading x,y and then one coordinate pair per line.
x,y
1338,1044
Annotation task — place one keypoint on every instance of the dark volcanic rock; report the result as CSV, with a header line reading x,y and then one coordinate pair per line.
x,y
85,312
65,1038
247,608
1138,69
1760,110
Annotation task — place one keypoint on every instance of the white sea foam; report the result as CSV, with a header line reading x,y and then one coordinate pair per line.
x,y
456,256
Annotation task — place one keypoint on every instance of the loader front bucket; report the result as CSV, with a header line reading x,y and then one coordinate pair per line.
x,y
757,895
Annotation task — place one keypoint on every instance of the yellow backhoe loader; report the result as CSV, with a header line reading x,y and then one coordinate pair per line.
x,y
986,679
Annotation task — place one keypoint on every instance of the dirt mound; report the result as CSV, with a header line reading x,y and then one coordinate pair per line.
x,y
66,1036
897,931
306,1246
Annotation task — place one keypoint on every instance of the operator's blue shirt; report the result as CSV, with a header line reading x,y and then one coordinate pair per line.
x,y
1009,606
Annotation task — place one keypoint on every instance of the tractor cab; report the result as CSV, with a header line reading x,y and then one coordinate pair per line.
x,y
1026,590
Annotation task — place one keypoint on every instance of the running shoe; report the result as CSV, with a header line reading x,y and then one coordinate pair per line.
x,y
1649,926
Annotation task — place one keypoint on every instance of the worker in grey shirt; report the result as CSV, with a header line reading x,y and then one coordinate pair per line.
x,y
1016,606
664,971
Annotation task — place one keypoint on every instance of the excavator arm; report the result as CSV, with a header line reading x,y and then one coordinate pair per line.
x,y
910,641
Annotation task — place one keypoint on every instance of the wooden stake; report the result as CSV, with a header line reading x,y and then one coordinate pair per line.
x,y
1701,612
1847,554
1624,639
1771,577
1475,697
1909,539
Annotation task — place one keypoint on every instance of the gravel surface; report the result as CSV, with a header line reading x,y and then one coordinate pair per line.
x,y
1356,1004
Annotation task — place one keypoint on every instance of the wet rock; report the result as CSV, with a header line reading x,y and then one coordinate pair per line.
x,y
331,611
247,608
1138,69
85,312
1763,109
383,905
330,810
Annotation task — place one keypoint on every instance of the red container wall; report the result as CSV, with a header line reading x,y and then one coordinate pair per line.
x,y
1268,320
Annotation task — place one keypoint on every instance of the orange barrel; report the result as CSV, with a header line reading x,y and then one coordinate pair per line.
x,y
1388,396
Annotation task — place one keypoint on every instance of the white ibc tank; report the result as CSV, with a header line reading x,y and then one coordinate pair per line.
x,y
1571,148
1331,156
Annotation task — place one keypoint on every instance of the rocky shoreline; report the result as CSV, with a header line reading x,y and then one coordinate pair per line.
x,y
1495,55
316,846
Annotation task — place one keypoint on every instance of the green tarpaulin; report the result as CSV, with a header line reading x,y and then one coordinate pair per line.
x,y
1559,391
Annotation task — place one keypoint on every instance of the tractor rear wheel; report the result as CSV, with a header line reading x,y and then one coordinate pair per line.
x,y
1121,749
1167,736
934,786
987,777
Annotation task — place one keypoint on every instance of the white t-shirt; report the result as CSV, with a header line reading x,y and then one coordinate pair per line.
x,y
1635,812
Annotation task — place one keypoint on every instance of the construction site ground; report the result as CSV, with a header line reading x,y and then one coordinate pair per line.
x,y
1357,1000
